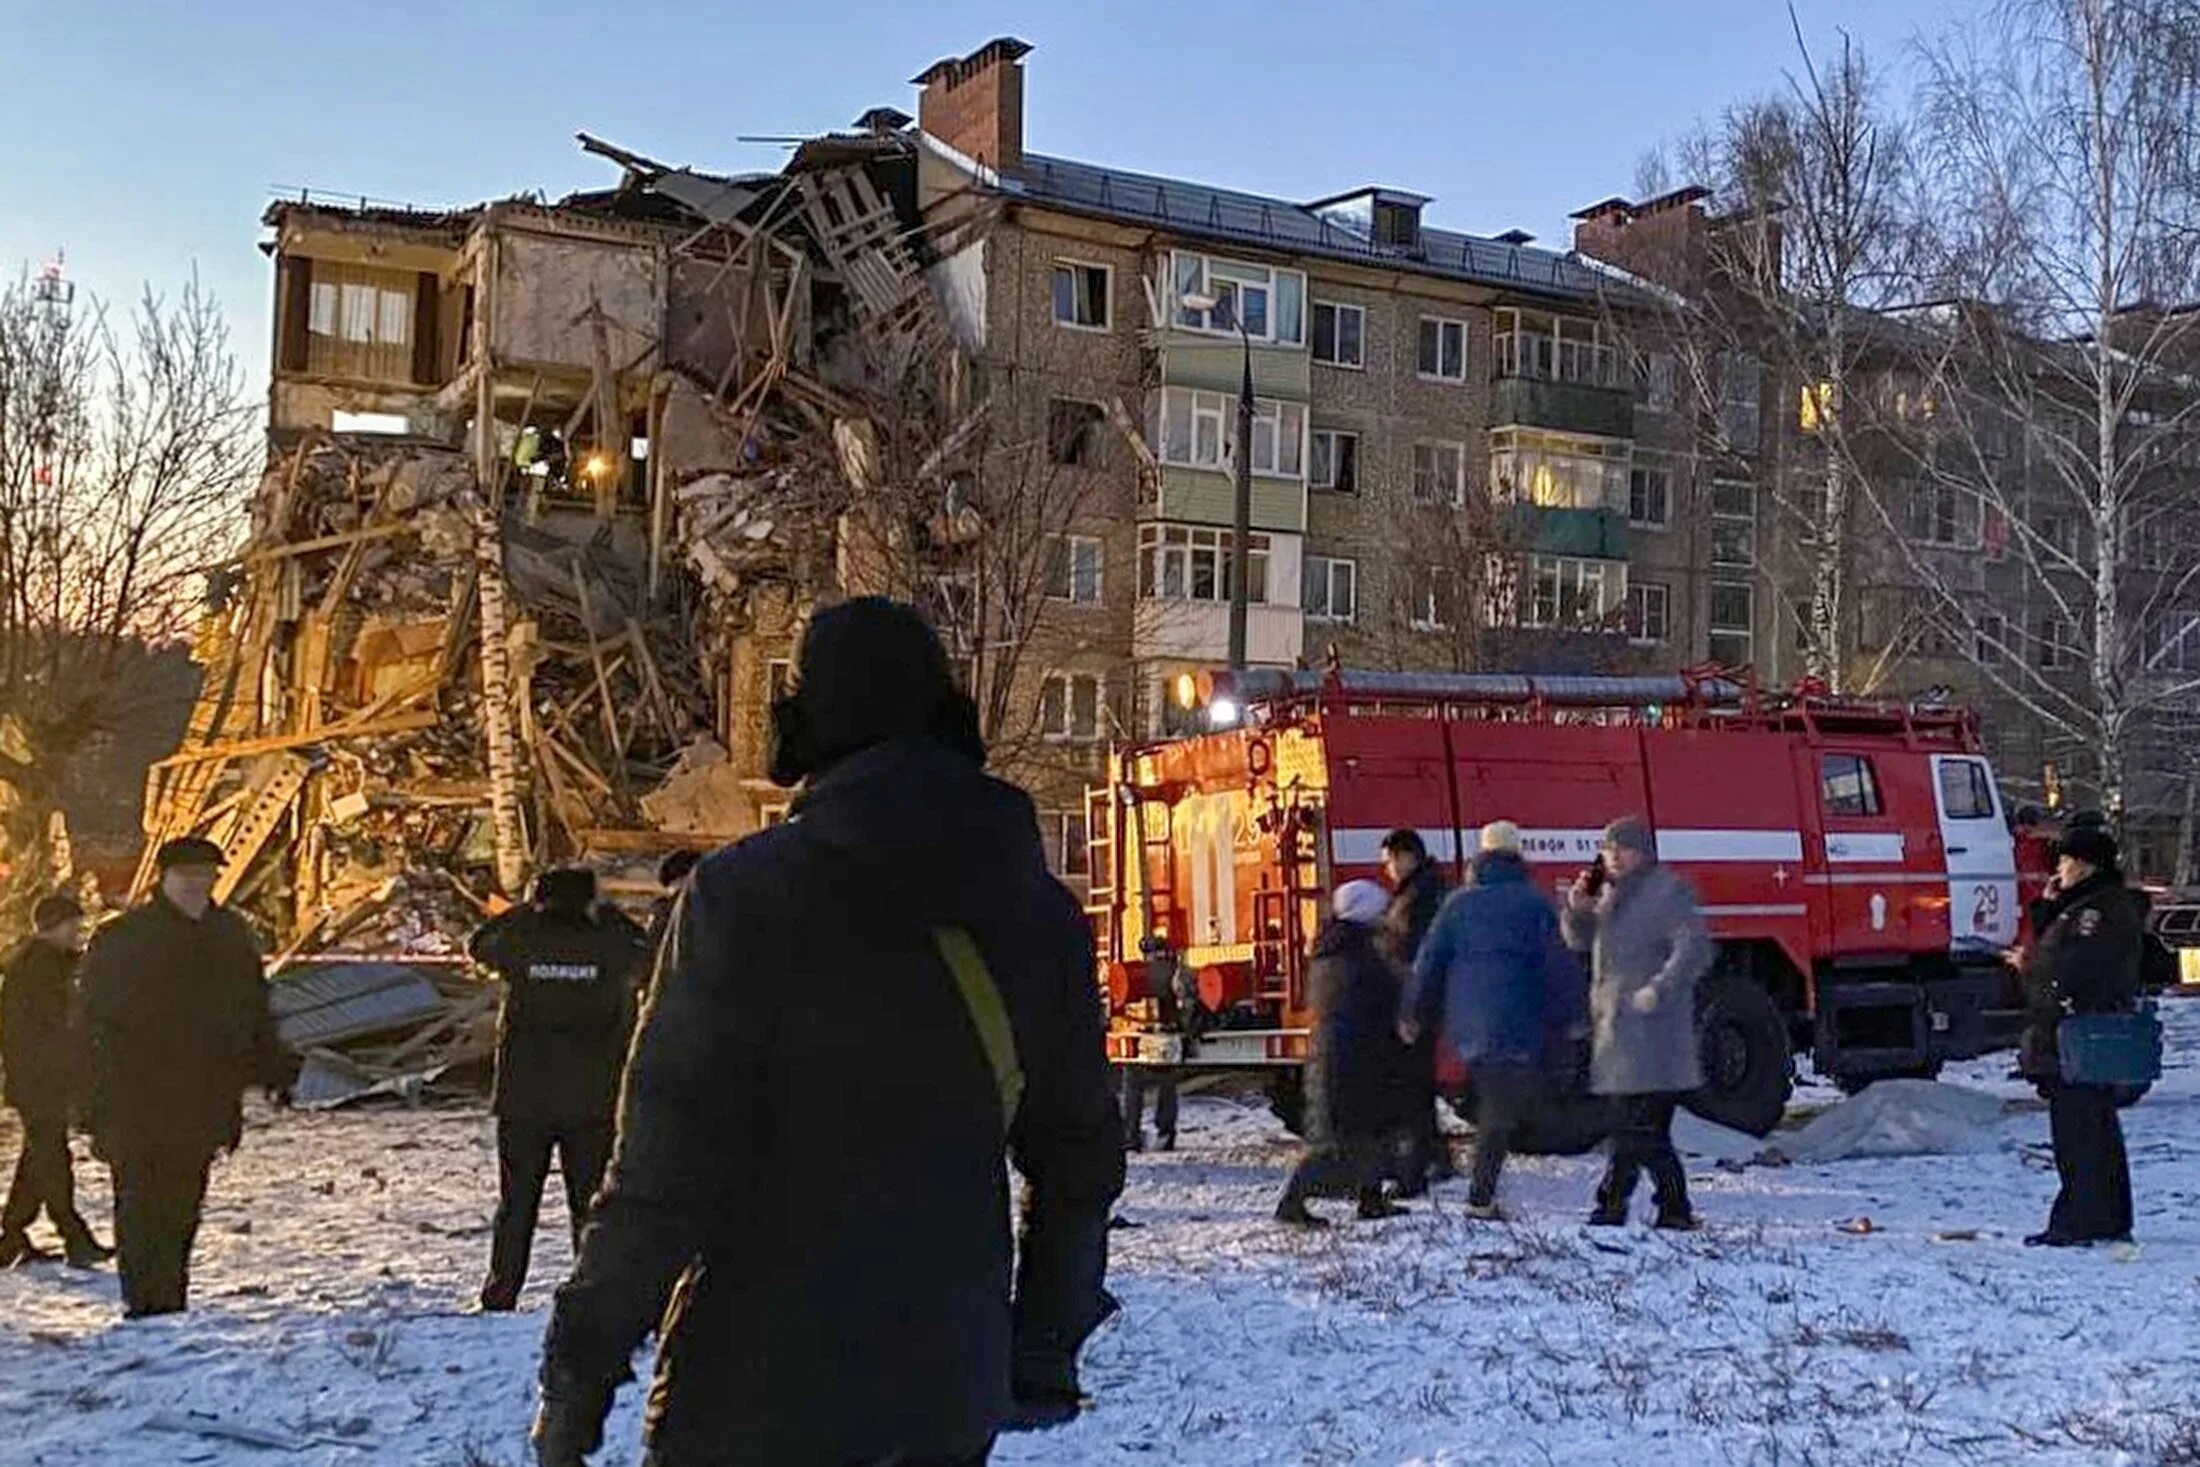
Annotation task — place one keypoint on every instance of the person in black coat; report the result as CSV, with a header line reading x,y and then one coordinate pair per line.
x,y
672,875
1417,892
1354,1063
570,970
822,1097
2086,961
38,1054
177,1025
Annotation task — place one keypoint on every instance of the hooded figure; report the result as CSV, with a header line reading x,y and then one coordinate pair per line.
x,y
822,1096
1354,1062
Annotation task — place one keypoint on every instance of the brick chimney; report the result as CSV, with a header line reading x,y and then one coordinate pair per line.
x,y
976,105
1659,239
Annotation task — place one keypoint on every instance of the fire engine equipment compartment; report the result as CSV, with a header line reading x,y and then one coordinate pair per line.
x,y
1854,859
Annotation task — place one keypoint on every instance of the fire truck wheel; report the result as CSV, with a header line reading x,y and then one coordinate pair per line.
x,y
1747,1076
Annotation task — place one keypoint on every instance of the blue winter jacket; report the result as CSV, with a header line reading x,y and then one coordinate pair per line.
x,y
1493,971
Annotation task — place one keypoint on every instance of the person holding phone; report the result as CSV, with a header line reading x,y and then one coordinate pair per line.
x,y
1637,920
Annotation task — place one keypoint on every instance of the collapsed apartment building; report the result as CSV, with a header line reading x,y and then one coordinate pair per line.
x,y
549,488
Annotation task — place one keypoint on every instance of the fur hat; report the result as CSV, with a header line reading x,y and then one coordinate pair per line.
x,y
1361,903
1631,833
2090,844
1501,837
871,671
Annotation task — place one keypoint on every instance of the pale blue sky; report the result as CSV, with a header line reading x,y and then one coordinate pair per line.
x,y
144,137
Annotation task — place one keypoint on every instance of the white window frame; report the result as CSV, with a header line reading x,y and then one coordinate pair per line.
x,y
1558,470
1965,516
1194,273
1067,732
1218,412
1091,440
1551,346
1736,367
1324,568
777,683
1061,820
1664,472
1590,582
1441,323
1662,593
1106,323
1068,546
1358,363
1457,499
1658,372
768,816
1163,542
1989,639
1732,519
1422,591
1332,487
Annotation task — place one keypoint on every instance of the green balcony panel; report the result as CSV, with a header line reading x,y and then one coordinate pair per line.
x,y
1566,407
1199,497
1599,534
1216,364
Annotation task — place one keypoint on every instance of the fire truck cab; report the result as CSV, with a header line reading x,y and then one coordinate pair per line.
x,y
1854,861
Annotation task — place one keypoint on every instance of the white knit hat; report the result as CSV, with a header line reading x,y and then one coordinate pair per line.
x,y
1360,902
1501,835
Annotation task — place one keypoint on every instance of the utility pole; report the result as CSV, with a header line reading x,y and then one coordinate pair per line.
x,y
1241,547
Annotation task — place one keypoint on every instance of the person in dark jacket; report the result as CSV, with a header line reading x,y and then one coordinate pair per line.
x,y
822,1099
1167,977
1495,980
1417,892
177,1025
2087,961
570,970
38,1054
1354,1063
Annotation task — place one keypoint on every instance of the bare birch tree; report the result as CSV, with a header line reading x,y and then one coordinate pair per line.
x,y
124,455
2065,213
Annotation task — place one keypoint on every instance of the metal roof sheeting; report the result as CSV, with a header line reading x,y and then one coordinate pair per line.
x,y
1278,224
328,1003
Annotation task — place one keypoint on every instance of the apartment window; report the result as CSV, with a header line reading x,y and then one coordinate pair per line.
x,y
1989,639
1069,708
1733,623
778,679
1073,432
1741,400
1340,334
1649,497
1566,591
1557,471
1848,786
2172,640
1194,429
1814,408
1334,463
1431,596
1733,523
2058,534
1073,569
768,816
1269,304
2056,647
1081,294
1329,589
1554,348
1072,856
1193,563
1647,611
1941,514
1656,376
359,322
1443,349
1440,473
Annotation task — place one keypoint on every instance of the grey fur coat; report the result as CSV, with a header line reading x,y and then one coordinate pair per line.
x,y
1647,948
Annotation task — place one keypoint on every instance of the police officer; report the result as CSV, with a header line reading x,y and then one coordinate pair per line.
x,y
2087,962
176,1022
38,1053
570,969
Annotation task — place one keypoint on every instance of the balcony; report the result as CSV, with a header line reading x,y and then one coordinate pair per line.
x,y
1567,407
1203,497
1199,632
1599,534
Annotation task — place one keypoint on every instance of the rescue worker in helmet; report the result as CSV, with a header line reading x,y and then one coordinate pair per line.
x,y
571,968
1417,892
2087,961
1354,1064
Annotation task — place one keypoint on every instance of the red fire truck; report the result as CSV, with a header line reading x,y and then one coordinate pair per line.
x,y
1854,860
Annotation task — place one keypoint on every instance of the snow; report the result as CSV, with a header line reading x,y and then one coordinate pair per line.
x,y
341,1249
1900,1118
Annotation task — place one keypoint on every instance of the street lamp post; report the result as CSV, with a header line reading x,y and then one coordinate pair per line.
x,y
1241,543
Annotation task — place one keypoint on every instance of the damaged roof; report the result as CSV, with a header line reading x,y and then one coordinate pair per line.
x,y
1202,211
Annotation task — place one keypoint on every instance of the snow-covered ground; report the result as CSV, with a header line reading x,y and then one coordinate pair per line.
x,y
340,1252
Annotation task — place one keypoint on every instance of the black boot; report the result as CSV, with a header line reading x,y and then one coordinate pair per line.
x,y
1292,1213
81,1250
1374,1207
